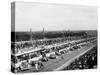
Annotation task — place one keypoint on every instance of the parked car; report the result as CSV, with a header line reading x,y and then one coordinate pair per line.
x,y
24,66
58,53
52,56
62,52
71,49
75,47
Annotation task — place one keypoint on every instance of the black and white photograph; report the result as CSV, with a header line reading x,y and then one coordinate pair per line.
x,y
47,37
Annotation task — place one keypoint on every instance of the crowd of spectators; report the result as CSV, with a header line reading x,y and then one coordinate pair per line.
x,y
86,61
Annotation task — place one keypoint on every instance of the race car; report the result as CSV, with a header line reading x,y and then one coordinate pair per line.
x,y
52,56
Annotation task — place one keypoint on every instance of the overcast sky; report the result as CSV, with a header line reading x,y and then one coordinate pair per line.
x,y
54,17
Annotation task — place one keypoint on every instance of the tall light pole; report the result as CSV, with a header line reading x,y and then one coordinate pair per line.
x,y
30,34
69,34
43,34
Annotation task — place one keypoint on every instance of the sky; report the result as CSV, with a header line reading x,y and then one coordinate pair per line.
x,y
53,17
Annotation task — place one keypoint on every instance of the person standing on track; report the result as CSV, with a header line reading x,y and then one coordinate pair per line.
x,y
36,66
62,57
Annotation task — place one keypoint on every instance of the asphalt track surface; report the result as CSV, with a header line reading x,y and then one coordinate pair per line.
x,y
58,64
